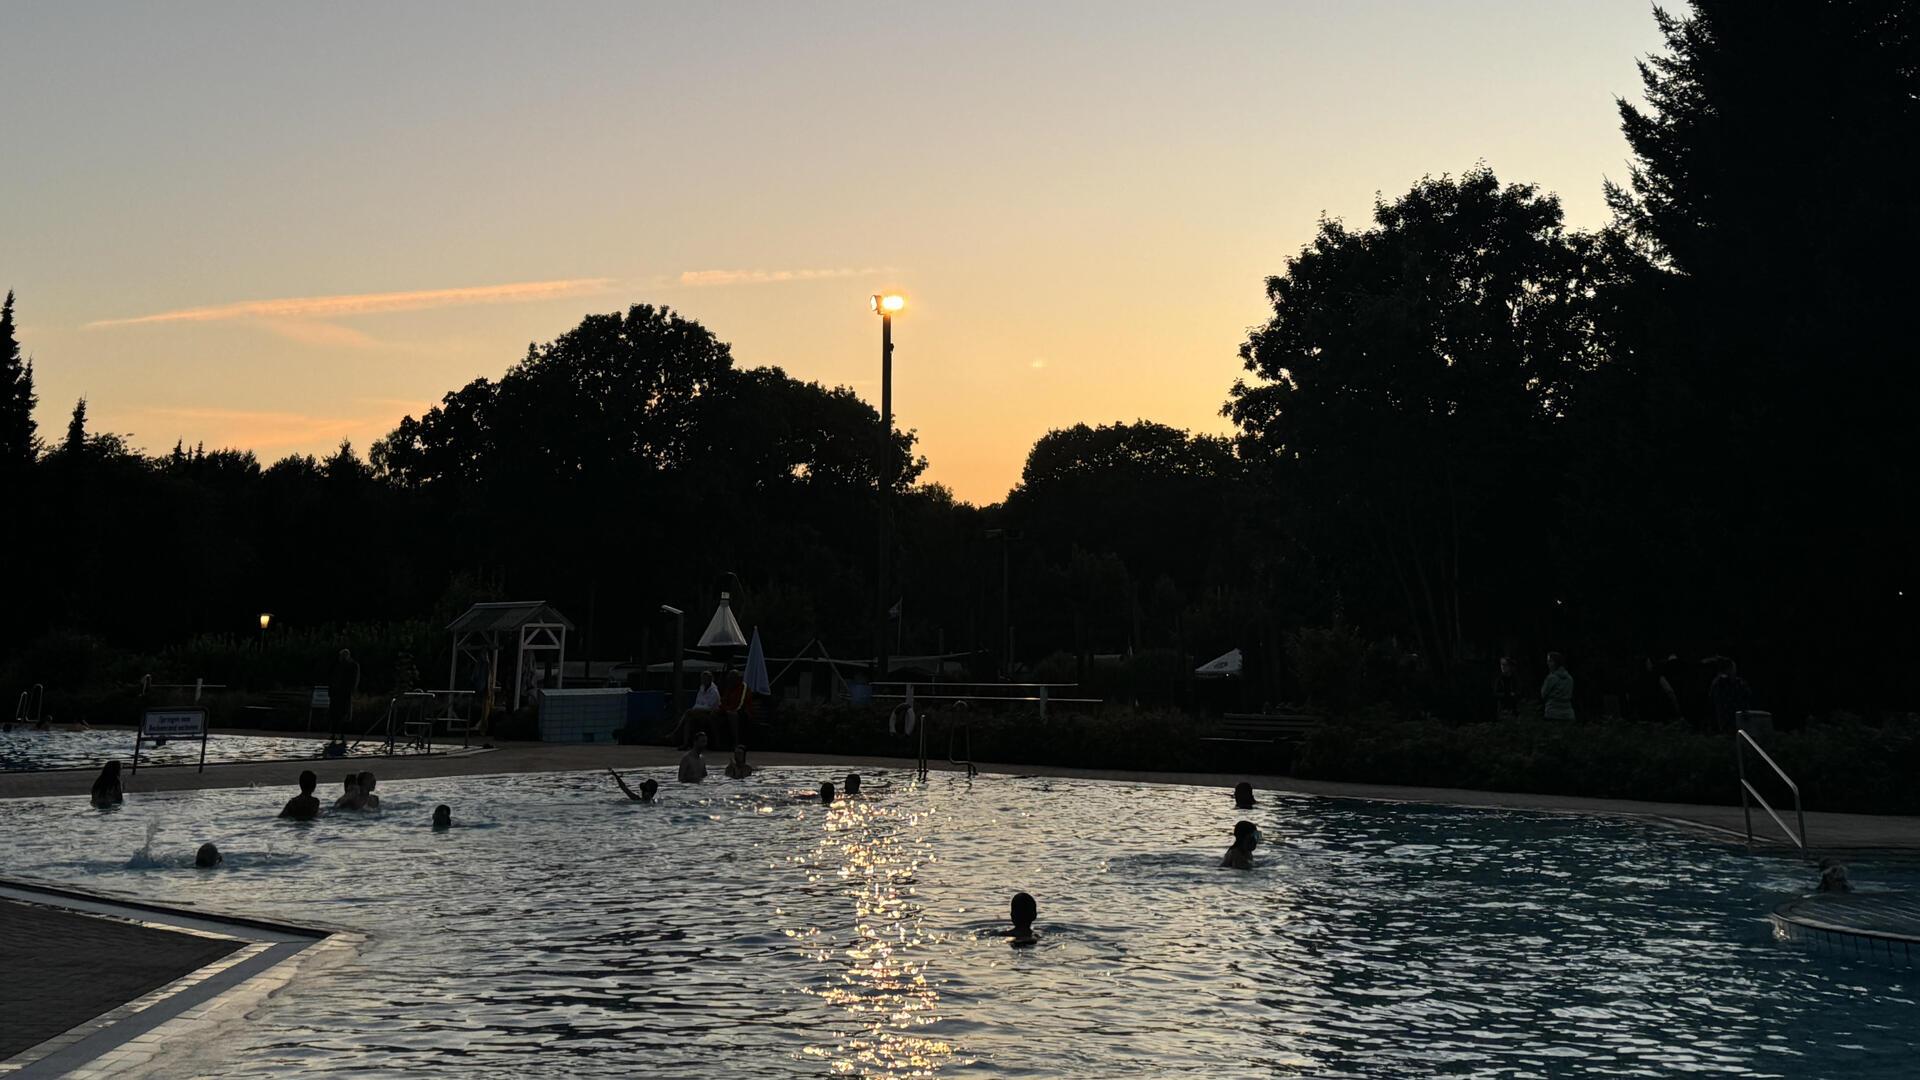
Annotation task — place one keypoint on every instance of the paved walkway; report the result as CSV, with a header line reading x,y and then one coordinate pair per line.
x,y
1826,832
64,968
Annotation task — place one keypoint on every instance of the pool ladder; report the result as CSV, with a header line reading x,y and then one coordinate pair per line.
x,y
1750,794
32,703
954,732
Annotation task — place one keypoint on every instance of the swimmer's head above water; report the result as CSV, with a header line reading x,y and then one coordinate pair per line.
x,y
648,788
308,781
853,783
208,856
443,816
1023,913
1243,796
826,793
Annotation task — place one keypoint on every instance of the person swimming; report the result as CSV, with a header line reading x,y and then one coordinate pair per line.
x,y
1833,876
1246,837
368,800
1024,912
853,784
826,793
647,788
304,806
442,818
1243,796
207,857
350,795
106,787
738,769
693,767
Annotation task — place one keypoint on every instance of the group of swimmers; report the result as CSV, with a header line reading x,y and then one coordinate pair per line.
x,y
356,794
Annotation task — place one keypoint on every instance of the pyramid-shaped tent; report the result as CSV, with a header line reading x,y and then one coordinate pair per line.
x,y
722,631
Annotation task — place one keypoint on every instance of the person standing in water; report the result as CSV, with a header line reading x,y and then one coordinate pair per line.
x,y
303,807
1024,912
368,800
106,787
852,785
350,794
1243,796
1246,837
738,769
826,793
693,767
442,818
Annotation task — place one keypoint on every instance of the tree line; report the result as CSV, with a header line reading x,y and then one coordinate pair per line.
x,y
1466,430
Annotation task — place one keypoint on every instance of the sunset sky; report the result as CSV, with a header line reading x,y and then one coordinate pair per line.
x,y
275,226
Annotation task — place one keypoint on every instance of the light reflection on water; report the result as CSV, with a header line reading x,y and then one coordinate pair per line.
x,y
739,929
23,749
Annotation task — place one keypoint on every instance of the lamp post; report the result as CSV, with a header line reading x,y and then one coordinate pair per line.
x,y
884,305
679,650
265,618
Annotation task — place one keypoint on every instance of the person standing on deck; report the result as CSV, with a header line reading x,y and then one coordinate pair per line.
x,y
1556,694
341,686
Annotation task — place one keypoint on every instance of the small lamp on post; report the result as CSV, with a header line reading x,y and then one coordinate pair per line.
x,y
265,618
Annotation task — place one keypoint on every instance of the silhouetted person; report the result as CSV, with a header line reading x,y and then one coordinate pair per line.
x,y
1024,912
1556,693
1730,695
826,793
1245,838
693,767
706,705
1833,877
442,818
368,800
852,785
733,704
1654,698
350,794
1243,796
304,806
207,857
106,787
342,684
648,788
1506,691
738,769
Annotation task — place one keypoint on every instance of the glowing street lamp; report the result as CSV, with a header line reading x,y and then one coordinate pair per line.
x,y
265,618
884,305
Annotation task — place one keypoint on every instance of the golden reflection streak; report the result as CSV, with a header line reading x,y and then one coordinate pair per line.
x,y
883,985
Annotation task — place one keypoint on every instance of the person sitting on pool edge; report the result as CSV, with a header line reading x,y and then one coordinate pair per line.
x,y
1245,838
106,788
1243,796
647,788
442,818
208,857
350,795
693,767
368,800
304,806
738,769
1024,912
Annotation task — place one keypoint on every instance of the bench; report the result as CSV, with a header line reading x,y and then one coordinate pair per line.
x,y
1265,728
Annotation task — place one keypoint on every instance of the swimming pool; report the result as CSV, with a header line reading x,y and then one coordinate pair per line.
x,y
33,750
736,930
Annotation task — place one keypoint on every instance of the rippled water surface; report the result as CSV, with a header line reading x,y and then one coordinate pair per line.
x,y
22,749
736,929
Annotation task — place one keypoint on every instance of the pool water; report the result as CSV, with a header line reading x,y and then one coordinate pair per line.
x,y
22,749
736,929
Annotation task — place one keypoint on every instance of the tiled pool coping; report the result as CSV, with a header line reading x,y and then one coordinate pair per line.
x,y
128,1039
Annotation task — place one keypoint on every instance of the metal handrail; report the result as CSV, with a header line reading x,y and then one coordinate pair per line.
x,y
37,694
1742,740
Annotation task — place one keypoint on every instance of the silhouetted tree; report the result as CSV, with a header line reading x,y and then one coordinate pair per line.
x,y
17,443
75,443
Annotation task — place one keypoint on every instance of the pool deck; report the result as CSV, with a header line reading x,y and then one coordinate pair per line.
x,y
1827,832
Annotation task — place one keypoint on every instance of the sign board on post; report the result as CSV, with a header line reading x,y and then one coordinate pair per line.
x,y
177,722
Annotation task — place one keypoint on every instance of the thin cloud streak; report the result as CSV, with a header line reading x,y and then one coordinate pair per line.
x,y
770,277
326,307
